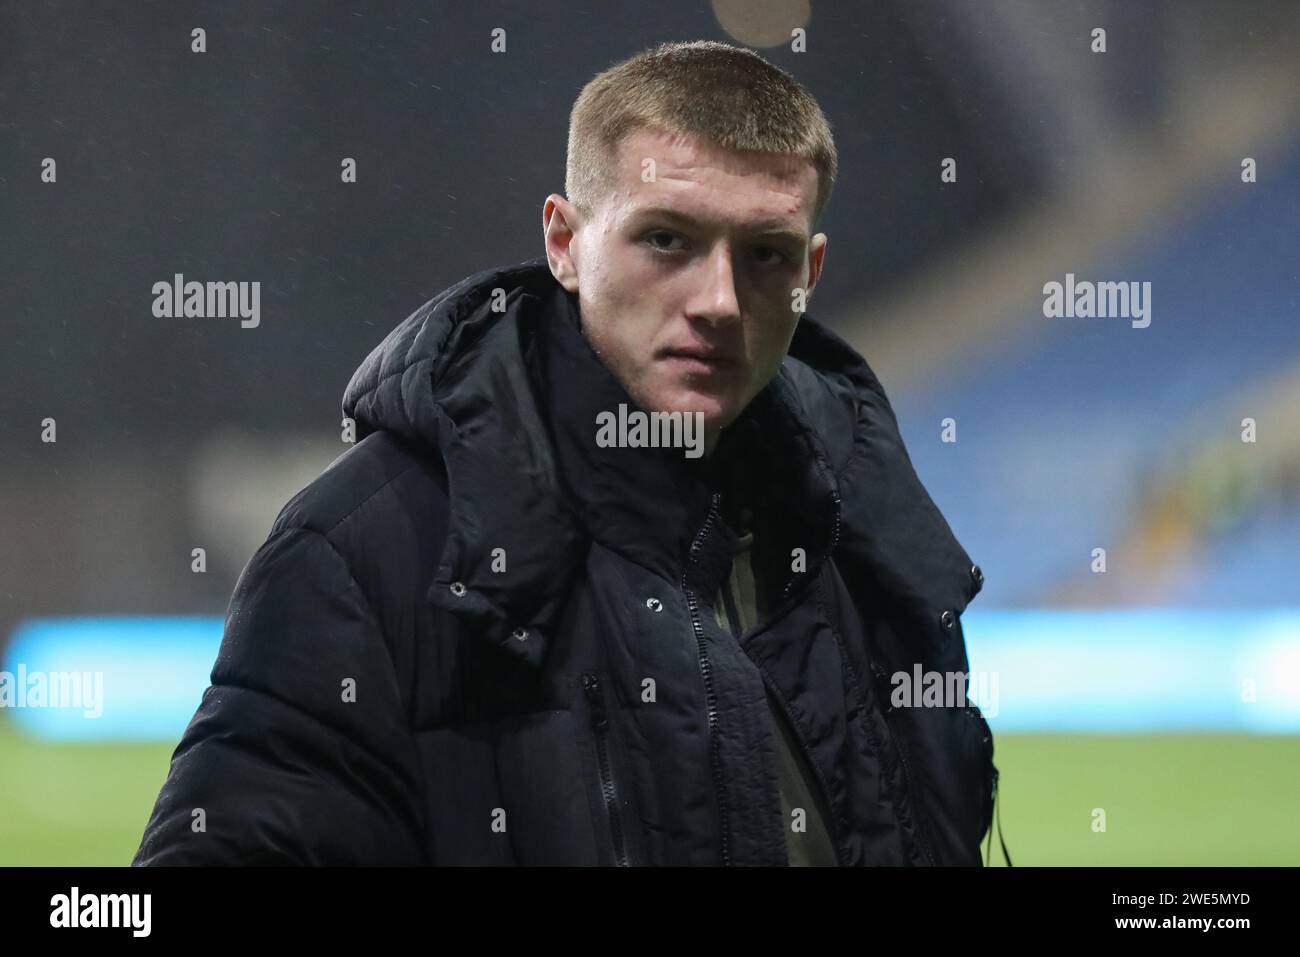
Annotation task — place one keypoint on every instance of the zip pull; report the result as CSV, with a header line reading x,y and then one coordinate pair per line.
x,y
988,844
591,687
608,789
997,813
715,510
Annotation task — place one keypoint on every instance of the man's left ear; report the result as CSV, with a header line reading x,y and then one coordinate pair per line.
x,y
816,258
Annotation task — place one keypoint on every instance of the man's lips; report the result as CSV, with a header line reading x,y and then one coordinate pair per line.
x,y
706,359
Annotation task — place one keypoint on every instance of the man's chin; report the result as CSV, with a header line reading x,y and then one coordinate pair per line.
x,y
718,410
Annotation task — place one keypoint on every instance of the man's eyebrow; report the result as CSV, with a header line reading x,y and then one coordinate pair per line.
x,y
766,227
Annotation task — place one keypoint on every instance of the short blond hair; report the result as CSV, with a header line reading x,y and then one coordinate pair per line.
x,y
725,95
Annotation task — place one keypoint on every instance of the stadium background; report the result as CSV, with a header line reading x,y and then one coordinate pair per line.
x,y
1121,691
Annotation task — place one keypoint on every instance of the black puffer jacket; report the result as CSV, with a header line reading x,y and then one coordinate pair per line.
x,y
478,638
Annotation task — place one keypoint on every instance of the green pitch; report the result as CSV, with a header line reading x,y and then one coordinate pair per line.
x,y
1168,799
1186,799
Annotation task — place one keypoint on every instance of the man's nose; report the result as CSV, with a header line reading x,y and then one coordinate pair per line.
x,y
715,298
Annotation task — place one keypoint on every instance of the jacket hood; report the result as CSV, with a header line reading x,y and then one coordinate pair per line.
x,y
494,377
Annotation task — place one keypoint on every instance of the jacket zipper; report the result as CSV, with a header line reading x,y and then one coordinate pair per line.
x,y
600,720
706,669
907,774
792,596
911,792
994,774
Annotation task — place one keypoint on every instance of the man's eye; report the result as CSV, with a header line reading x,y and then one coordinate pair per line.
x,y
662,234
770,256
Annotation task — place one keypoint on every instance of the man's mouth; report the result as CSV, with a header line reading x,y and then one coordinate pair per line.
x,y
698,360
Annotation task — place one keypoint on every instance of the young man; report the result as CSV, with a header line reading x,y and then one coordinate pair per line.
x,y
625,555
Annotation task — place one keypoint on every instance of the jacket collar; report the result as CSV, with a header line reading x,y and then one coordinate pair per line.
x,y
647,503
641,502
495,375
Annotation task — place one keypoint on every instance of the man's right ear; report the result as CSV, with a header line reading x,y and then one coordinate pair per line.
x,y
560,220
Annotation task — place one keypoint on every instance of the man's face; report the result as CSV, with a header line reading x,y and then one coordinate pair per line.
x,y
685,283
